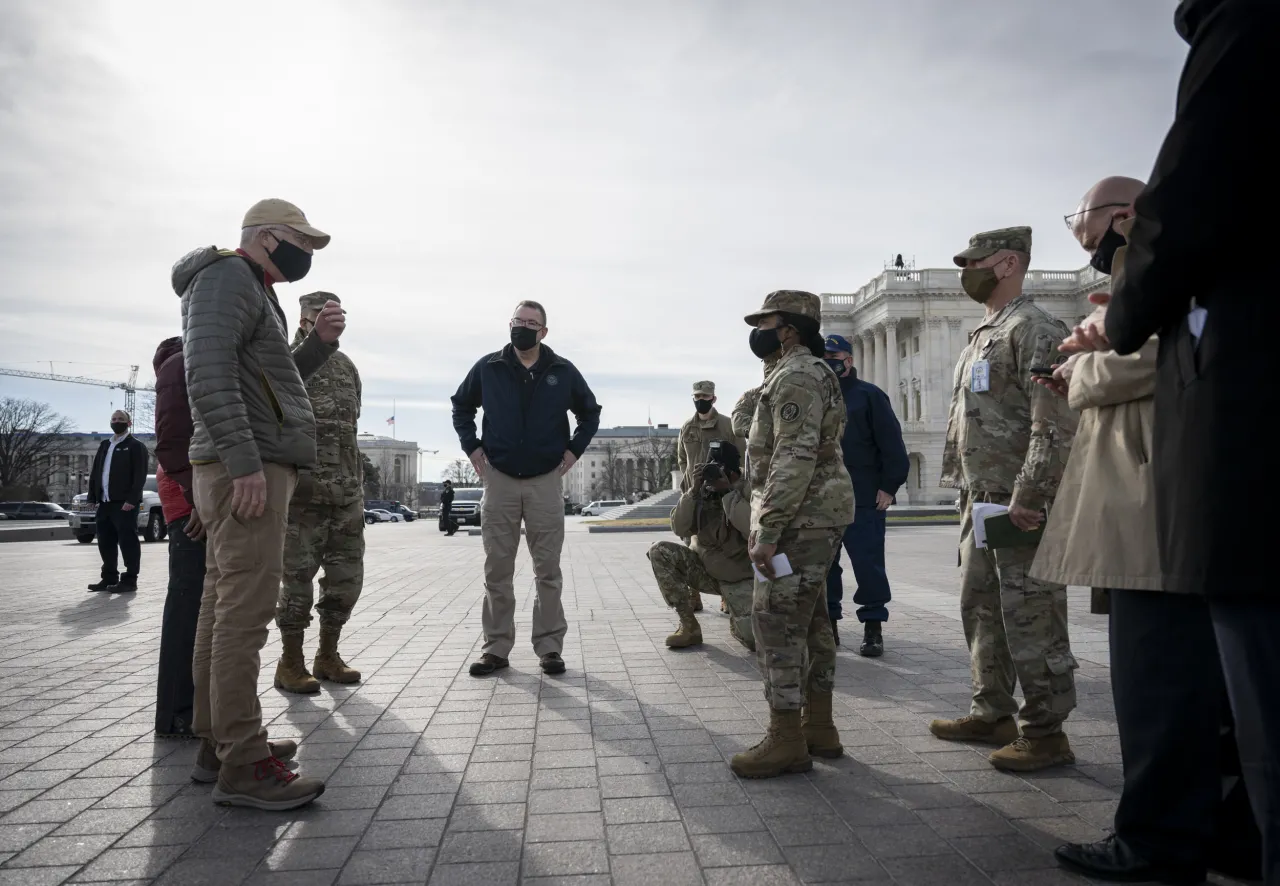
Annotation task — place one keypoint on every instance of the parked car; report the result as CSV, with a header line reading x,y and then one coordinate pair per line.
x,y
393,507
34,510
370,517
466,505
596,508
385,516
151,525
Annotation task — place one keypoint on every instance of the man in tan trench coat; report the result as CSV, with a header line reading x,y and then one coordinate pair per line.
x,y
1165,673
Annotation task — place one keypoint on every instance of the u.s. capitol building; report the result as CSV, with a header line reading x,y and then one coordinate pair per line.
x,y
908,327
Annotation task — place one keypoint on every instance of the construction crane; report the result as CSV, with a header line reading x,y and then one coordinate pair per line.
x,y
129,387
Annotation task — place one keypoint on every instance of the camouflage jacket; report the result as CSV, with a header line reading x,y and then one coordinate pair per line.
x,y
798,477
336,478
1014,437
717,529
696,437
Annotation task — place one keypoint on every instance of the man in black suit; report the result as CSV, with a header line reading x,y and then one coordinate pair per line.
x,y
1197,274
115,486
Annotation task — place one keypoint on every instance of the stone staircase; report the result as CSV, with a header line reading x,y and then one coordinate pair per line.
x,y
655,507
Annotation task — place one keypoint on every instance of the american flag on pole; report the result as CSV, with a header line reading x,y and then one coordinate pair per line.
x,y
391,420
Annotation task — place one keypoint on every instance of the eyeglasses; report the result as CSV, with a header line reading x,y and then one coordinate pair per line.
x,y
1071,219
527,324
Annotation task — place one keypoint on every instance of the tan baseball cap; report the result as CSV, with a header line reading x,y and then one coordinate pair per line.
x,y
274,211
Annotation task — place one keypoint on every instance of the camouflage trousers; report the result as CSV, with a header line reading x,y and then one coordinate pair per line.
x,y
319,535
680,574
794,643
1016,629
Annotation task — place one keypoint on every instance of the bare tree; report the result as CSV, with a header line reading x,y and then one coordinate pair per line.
x,y
144,413
654,457
32,436
461,473
372,479
610,479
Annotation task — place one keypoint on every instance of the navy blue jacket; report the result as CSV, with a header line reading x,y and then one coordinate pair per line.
x,y
874,453
516,441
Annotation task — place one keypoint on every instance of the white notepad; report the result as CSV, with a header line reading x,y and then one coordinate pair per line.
x,y
781,567
981,511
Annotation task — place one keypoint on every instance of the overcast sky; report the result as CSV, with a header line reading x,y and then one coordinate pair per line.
x,y
647,170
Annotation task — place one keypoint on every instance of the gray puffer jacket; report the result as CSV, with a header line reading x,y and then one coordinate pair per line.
x,y
248,402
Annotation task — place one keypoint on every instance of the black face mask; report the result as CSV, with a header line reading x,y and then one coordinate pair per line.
x,y
292,261
523,338
764,342
1106,251
837,366
119,427
703,406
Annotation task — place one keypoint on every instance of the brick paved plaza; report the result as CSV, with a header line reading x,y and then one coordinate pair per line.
x,y
614,772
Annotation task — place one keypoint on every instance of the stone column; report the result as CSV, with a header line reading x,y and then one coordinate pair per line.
x,y
936,382
867,371
881,366
858,353
891,365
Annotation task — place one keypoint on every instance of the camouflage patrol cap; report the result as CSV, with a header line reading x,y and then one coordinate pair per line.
x,y
705,387
314,301
790,301
988,243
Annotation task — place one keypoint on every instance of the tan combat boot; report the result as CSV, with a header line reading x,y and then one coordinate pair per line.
x,y
820,733
328,664
1033,754
266,784
688,634
207,765
782,751
1001,732
291,672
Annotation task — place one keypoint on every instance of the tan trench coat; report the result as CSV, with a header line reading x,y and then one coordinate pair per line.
x,y
1102,529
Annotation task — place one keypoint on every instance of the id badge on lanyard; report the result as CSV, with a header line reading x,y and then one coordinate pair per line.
x,y
980,377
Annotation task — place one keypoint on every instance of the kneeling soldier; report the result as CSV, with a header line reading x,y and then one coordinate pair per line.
x,y
715,513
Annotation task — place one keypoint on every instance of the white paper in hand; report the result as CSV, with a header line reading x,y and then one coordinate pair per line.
x,y
981,511
781,567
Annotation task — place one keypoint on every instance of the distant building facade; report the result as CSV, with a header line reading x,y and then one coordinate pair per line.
x,y
623,461
397,464
908,327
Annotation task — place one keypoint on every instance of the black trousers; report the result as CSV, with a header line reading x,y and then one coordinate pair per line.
x,y
118,528
1168,690
1249,645
174,689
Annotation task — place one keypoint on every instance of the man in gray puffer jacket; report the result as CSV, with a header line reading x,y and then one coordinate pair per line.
x,y
253,429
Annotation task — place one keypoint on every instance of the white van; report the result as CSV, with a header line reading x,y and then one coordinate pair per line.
x,y
596,508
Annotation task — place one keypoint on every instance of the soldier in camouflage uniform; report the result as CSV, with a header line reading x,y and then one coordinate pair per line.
x,y
801,501
716,516
326,524
1007,443
700,431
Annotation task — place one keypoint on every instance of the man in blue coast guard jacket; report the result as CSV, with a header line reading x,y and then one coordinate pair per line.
x,y
876,459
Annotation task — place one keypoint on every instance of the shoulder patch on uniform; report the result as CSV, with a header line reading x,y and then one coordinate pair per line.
x,y
790,411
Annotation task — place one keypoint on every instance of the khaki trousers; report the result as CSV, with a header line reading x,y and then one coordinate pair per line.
x,y
243,566
538,503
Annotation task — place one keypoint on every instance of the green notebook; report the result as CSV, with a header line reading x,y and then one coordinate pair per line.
x,y
1001,533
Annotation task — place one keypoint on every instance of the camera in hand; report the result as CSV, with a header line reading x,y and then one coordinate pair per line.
x,y
722,457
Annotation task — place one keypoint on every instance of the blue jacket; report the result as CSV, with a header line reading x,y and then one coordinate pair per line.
x,y
874,453
517,443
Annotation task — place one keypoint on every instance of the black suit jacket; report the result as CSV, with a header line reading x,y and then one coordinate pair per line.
x,y
1205,231
128,471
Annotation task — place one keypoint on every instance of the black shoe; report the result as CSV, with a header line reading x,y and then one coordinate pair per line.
x,y
124,587
872,640
552,663
835,630
103,585
1113,861
487,664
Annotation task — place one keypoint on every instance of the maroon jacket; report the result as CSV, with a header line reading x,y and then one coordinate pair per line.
x,y
173,414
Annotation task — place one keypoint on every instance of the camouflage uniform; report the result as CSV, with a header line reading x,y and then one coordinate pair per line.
x,y
801,500
326,514
715,563
698,433
1004,445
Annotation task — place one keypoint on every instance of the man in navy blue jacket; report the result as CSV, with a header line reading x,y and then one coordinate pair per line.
x,y
526,391
876,459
